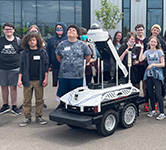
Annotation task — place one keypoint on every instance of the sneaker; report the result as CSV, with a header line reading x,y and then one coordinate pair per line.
x,y
44,106
151,114
5,108
40,120
15,110
160,117
26,122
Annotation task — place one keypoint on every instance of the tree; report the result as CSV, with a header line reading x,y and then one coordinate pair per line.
x,y
109,15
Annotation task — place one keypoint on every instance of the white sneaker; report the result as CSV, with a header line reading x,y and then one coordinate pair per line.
x,y
152,113
160,117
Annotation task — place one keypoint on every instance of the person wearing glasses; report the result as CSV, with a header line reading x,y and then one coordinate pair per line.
x,y
9,68
140,29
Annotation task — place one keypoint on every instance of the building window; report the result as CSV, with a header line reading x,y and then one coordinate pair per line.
x,y
44,13
5,16
154,14
28,14
47,18
126,20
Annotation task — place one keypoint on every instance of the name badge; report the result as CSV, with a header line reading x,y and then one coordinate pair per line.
x,y
67,49
7,46
36,57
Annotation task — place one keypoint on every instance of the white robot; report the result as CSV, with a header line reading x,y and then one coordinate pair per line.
x,y
104,104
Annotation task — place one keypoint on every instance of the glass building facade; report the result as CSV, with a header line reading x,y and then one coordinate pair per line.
x,y
154,15
126,5
44,13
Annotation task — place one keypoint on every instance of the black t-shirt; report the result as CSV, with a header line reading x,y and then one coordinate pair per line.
x,y
9,54
34,64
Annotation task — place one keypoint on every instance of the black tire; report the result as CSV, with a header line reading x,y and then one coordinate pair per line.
x,y
128,115
108,124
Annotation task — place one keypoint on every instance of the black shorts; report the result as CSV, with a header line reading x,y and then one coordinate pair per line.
x,y
9,77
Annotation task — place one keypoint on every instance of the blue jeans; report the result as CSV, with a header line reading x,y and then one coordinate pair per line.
x,y
67,85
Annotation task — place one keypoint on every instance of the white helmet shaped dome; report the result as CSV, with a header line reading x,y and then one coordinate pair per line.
x,y
95,26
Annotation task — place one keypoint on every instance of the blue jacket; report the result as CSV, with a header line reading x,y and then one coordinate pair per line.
x,y
157,73
24,66
52,44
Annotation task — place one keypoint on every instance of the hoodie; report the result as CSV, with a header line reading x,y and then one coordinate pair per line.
x,y
52,45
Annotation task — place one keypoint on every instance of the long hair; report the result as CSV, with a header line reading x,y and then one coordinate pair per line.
x,y
114,39
158,43
37,28
28,37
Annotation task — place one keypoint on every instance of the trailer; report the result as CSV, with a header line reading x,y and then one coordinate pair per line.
x,y
104,104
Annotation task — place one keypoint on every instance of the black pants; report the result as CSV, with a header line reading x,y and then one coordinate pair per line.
x,y
157,85
55,73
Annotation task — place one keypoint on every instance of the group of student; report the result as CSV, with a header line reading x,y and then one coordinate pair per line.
x,y
148,64
27,62
29,69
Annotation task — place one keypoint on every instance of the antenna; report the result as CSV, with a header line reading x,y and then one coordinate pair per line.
x,y
116,72
129,65
98,67
84,77
102,77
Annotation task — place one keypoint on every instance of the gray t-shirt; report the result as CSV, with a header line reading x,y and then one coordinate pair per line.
x,y
73,55
153,57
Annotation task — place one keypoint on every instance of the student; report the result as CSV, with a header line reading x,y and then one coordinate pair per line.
x,y
33,75
154,74
118,40
34,29
9,68
129,45
53,42
140,29
71,54
155,31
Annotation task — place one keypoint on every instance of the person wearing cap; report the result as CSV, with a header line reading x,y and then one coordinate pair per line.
x,y
53,42
71,54
155,31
